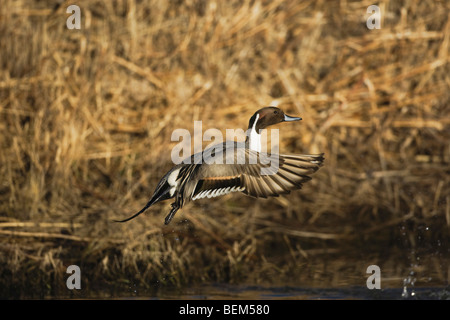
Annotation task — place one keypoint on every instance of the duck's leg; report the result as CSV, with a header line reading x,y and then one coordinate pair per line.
x,y
169,217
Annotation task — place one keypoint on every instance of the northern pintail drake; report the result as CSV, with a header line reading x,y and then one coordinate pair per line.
x,y
191,180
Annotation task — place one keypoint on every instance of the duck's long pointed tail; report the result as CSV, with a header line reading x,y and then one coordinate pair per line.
x,y
161,194
136,214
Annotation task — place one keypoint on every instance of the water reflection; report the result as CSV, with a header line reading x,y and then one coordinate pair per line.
x,y
227,292
326,277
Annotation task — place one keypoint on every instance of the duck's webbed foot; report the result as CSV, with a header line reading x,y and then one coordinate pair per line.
x,y
169,217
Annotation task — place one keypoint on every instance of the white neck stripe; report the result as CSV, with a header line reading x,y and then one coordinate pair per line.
x,y
255,137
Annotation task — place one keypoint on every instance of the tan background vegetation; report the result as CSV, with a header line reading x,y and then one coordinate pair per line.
x,y
86,118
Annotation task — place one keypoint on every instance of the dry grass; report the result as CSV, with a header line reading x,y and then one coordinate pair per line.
x,y
86,118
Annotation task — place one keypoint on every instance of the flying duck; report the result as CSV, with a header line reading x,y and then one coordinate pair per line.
x,y
243,168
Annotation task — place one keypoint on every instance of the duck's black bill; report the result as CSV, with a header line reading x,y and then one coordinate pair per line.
x,y
289,118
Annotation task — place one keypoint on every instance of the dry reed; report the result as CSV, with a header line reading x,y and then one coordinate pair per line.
x,y
86,118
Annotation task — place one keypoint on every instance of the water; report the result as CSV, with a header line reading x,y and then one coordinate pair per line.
x,y
229,292
409,281
420,270
411,276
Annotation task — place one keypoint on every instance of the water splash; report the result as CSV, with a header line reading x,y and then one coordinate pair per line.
x,y
133,288
410,280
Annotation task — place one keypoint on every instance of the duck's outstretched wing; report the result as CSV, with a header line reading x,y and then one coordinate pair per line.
x,y
291,173
270,176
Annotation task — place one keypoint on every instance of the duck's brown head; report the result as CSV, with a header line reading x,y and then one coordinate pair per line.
x,y
269,116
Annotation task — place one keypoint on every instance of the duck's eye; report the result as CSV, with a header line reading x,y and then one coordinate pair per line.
x,y
275,112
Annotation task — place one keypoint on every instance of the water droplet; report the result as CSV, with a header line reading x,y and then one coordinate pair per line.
x,y
405,292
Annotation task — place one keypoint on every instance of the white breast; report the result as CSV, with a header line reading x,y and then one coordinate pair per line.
x,y
254,137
